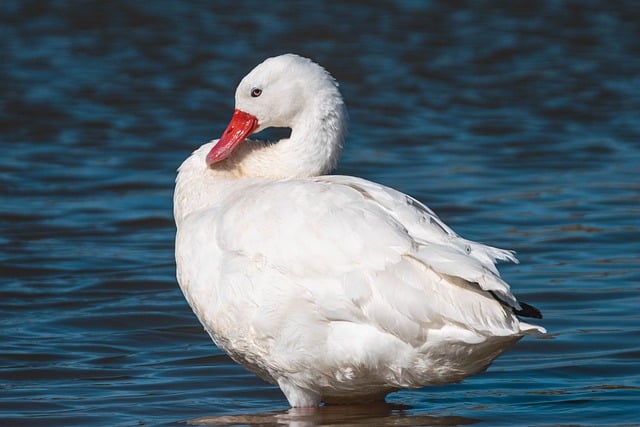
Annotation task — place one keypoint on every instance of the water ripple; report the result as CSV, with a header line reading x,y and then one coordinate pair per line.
x,y
517,123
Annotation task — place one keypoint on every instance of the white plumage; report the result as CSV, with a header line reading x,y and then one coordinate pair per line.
x,y
335,288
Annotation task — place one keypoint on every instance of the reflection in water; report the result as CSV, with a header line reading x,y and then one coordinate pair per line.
x,y
380,414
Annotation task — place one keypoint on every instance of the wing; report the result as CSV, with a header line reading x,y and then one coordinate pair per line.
x,y
346,234
442,248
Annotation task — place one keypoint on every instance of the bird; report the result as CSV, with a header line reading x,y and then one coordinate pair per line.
x,y
337,289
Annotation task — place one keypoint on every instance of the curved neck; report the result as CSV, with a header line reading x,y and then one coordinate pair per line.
x,y
313,148
317,135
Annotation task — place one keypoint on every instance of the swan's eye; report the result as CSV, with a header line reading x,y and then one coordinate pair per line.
x,y
256,92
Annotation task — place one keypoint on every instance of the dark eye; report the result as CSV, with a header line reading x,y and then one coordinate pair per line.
x,y
256,92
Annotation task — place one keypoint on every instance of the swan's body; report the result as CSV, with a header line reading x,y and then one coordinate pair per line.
x,y
335,288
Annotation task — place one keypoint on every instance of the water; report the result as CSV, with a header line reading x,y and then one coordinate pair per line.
x,y
519,125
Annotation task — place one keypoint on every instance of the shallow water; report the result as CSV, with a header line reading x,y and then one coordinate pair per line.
x,y
519,125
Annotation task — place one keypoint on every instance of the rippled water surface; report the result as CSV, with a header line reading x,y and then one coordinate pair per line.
x,y
519,125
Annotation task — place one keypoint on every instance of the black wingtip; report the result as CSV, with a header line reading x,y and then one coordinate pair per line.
x,y
528,311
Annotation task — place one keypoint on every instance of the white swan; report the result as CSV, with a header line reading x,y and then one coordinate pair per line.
x,y
335,288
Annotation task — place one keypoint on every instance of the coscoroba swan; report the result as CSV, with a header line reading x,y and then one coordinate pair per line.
x,y
335,288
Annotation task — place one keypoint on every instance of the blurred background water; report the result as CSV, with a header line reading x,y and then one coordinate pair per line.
x,y
519,123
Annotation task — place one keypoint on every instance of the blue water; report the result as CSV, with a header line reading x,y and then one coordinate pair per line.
x,y
518,124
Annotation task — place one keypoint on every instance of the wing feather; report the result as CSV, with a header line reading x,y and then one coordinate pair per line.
x,y
281,266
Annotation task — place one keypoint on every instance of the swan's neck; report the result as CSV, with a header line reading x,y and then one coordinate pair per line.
x,y
312,149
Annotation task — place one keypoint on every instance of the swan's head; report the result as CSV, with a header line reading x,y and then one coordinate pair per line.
x,y
283,91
